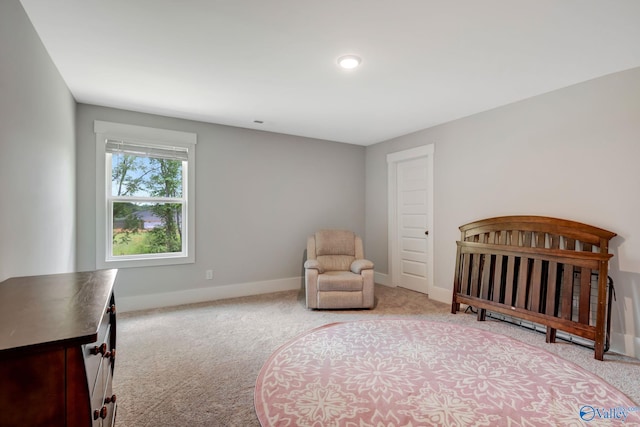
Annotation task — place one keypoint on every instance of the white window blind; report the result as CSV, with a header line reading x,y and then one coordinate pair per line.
x,y
146,150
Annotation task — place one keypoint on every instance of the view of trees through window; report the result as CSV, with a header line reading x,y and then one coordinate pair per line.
x,y
146,196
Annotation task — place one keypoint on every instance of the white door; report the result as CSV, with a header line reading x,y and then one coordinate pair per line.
x,y
411,219
412,224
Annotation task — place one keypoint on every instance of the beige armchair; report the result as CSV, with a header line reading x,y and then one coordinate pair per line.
x,y
336,273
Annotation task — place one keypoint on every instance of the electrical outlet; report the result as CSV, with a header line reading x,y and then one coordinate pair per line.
x,y
209,274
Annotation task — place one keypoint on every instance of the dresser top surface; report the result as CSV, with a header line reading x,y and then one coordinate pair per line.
x,y
53,309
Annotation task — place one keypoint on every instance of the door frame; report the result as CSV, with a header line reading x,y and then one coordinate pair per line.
x,y
426,151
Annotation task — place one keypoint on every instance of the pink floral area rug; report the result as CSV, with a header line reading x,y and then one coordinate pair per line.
x,y
391,373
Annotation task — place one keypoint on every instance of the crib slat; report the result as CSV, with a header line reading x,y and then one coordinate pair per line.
x,y
585,296
501,239
464,285
485,285
508,291
497,279
536,279
521,288
567,282
585,290
536,285
552,288
475,274
552,301
514,238
552,277
566,289
485,281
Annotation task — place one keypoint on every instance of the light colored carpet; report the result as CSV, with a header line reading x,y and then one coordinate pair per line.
x,y
197,365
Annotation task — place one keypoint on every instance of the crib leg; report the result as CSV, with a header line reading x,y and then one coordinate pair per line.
x,y
482,314
551,335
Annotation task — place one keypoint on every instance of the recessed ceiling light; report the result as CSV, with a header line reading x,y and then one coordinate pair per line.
x,y
349,61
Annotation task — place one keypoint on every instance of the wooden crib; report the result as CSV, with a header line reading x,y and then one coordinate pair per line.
x,y
538,269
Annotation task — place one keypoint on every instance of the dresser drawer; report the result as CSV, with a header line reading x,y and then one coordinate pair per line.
x,y
109,399
103,401
97,397
103,346
94,354
99,359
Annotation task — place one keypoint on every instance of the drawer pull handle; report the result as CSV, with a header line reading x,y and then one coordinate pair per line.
x,y
111,399
101,349
100,413
112,309
110,355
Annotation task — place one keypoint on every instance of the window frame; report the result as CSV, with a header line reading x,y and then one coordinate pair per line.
x,y
147,136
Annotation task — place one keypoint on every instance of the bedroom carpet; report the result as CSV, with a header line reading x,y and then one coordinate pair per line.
x,y
197,365
406,372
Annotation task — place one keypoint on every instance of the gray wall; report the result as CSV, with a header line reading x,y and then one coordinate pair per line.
x,y
37,164
258,196
571,153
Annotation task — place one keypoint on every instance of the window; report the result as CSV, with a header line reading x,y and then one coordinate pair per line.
x,y
145,196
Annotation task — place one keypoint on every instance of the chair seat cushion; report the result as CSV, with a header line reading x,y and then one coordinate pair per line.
x,y
339,281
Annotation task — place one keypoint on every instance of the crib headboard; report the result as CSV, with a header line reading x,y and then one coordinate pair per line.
x,y
536,268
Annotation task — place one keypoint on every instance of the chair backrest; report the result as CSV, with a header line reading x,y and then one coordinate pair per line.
x,y
335,250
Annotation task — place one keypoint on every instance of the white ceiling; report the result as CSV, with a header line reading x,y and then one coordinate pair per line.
x,y
425,62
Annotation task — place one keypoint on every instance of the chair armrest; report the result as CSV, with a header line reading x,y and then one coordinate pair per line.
x,y
361,264
313,264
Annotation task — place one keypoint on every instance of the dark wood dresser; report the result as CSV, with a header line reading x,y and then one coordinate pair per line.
x,y
57,350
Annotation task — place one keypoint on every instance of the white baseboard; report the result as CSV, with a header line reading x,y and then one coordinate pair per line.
x,y
436,294
440,294
190,296
381,279
626,344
